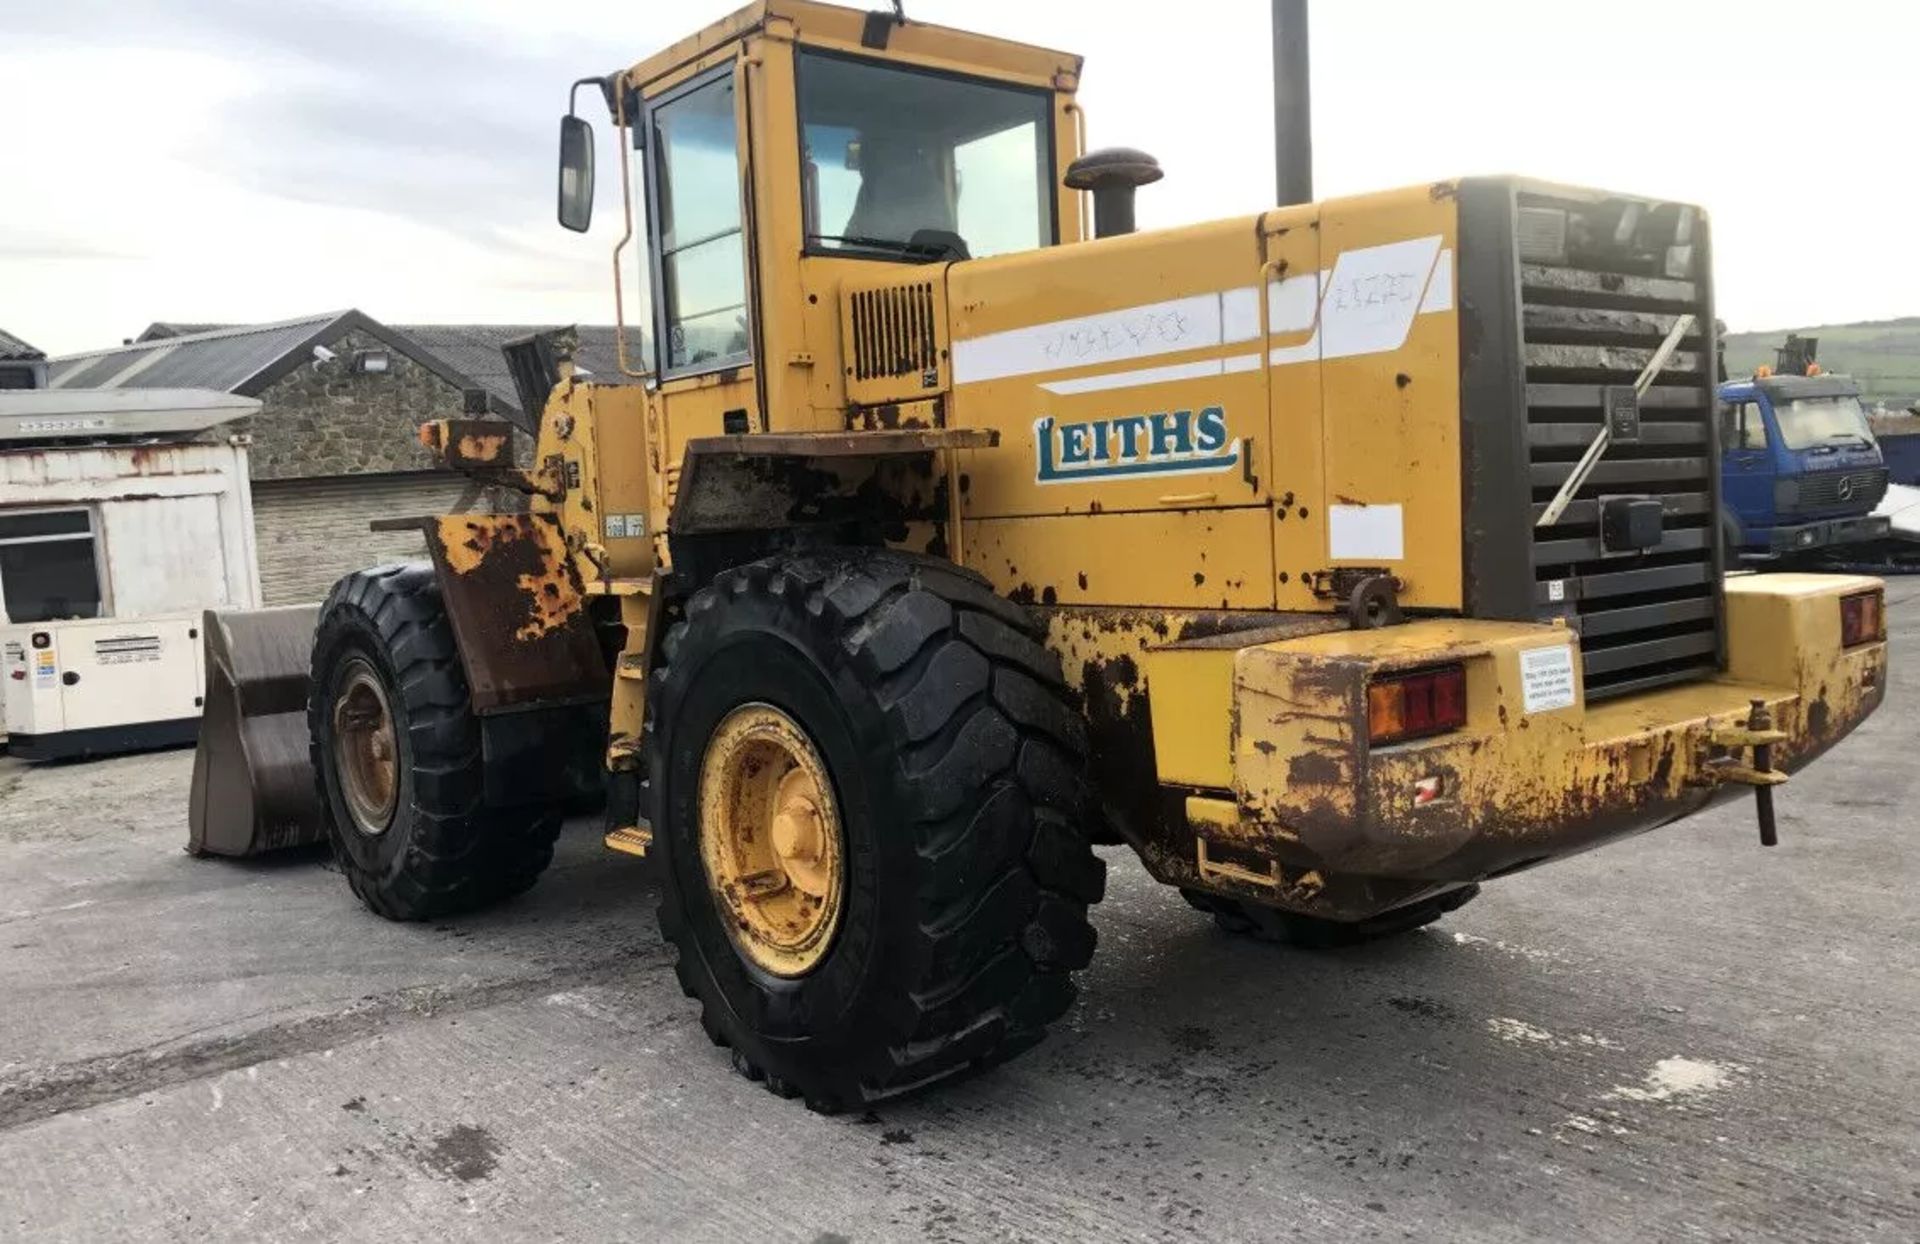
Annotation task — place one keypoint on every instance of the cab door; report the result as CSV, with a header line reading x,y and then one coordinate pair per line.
x,y
698,242
1746,466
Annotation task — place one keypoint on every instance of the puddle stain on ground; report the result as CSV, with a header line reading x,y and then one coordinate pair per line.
x,y
465,1153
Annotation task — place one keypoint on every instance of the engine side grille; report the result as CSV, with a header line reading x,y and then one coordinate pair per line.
x,y
893,331
1832,489
1592,316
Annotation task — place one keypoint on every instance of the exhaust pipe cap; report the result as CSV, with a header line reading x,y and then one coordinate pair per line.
x,y
1113,174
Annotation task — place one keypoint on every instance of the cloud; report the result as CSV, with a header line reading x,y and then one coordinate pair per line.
x,y
353,104
29,247
251,158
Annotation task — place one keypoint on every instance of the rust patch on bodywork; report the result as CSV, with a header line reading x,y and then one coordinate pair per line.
x,y
1300,810
897,416
476,448
493,546
464,443
1100,650
770,481
483,450
518,608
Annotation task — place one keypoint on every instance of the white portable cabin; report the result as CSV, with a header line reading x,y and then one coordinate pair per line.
x,y
124,514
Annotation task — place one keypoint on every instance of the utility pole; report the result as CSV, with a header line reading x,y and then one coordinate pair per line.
x,y
1292,104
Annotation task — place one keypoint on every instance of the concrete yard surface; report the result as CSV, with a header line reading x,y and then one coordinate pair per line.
x,y
1682,1037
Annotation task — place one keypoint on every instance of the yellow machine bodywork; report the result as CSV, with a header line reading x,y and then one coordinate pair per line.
x,y
1185,446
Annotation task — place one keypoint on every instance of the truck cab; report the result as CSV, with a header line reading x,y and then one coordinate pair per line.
x,y
1799,466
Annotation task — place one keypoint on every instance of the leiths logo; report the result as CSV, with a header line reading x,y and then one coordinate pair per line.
x,y
1175,442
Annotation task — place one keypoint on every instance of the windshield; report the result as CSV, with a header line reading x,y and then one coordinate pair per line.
x,y
908,164
1809,421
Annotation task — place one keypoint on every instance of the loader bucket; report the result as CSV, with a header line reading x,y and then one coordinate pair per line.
x,y
252,781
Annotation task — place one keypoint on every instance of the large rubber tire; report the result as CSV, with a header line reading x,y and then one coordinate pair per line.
x,y
1269,924
957,761
445,850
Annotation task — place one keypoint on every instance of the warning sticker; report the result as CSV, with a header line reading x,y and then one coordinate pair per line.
x,y
1546,678
626,526
127,649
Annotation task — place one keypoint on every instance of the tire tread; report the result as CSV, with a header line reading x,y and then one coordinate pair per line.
x,y
461,854
993,751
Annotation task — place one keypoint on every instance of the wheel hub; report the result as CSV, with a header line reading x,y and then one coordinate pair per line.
x,y
365,750
771,840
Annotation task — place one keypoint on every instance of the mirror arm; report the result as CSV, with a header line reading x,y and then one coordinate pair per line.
x,y
573,94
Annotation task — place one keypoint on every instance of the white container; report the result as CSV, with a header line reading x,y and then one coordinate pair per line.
x,y
101,685
120,522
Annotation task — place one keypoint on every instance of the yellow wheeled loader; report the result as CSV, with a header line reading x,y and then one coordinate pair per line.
x,y
1336,559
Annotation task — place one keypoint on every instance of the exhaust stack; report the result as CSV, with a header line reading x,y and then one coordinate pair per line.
x,y
1292,104
1113,174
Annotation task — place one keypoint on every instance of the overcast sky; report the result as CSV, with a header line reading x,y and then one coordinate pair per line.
x,y
230,160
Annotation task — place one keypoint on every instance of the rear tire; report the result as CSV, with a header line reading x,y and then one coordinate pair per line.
x,y
955,766
1286,928
427,845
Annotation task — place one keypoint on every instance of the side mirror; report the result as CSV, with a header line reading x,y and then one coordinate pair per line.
x,y
576,173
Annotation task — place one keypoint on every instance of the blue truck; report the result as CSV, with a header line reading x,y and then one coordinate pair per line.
x,y
1800,470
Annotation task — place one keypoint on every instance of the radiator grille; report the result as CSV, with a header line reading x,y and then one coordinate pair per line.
x,y
1590,321
894,332
1832,489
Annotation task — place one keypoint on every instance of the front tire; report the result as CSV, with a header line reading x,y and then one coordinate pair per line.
x,y
397,759
922,906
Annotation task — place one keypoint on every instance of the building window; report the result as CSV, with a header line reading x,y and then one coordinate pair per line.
x,y
47,566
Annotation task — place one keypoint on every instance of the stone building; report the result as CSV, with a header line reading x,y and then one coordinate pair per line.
x,y
334,444
21,366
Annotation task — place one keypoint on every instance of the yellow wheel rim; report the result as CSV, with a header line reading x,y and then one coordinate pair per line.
x,y
771,841
366,753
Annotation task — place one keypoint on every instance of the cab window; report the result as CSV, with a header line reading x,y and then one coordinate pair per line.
x,y
1742,426
700,251
912,165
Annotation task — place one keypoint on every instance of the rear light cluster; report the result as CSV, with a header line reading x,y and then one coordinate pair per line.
x,y
1863,618
1416,704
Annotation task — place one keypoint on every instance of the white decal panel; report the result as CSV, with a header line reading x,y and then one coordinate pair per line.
x,y
1111,337
1365,304
1372,296
1366,532
1546,678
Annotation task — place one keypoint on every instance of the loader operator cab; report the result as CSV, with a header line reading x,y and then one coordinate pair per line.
x,y
766,172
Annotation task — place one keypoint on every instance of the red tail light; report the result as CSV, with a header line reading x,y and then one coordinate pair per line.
x,y
1416,704
1863,618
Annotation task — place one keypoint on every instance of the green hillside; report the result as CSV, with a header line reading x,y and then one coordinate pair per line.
x,y
1883,355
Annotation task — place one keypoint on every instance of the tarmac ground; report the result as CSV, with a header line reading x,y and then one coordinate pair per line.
x,y
1679,1037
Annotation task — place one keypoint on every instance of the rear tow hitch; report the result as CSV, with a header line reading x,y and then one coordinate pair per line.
x,y
1757,733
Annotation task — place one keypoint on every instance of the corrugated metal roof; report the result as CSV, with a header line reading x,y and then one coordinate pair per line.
x,y
173,328
13,349
245,358
234,360
473,350
101,414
